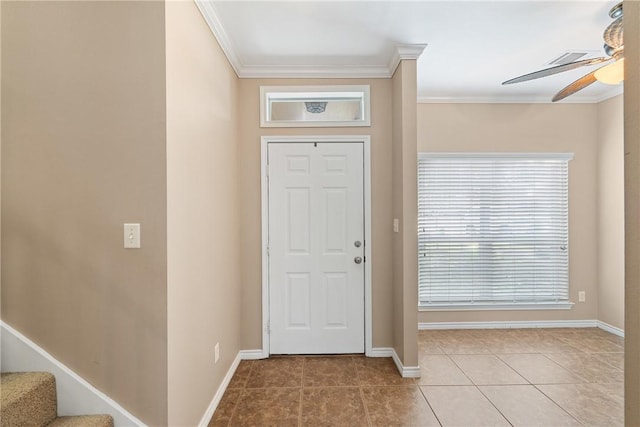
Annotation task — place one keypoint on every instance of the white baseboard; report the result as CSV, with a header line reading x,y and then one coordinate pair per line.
x,y
611,329
252,354
381,352
75,395
208,415
405,371
242,355
510,325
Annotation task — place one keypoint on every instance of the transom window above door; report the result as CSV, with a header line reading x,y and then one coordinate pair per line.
x,y
314,106
493,231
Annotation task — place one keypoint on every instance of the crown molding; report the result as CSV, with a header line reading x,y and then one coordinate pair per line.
x,y
405,51
297,71
208,11
520,100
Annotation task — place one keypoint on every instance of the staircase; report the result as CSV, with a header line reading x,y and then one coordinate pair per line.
x,y
29,400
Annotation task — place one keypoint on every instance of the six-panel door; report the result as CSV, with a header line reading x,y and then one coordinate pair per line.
x,y
316,248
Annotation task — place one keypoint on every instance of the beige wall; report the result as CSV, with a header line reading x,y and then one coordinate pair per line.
x,y
405,207
610,203
202,214
249,191
529,128
83,112
632,209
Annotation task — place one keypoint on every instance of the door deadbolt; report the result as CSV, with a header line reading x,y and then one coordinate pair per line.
x,y
357,243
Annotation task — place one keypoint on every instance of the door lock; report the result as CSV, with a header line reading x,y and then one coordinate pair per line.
x,y
357,243
357,260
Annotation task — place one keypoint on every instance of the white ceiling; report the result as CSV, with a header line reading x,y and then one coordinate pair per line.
x,y
472,46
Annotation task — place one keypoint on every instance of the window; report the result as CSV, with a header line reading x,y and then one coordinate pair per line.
x,y
314,106
493,231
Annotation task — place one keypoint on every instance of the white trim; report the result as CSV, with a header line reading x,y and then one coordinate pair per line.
x,y
611,329
366,141
309,92
252,354
405,371
496,307
519,100
264,203
381,352
480,155
509,324
75,395
208,11
208,415
402,52
313,72
242,355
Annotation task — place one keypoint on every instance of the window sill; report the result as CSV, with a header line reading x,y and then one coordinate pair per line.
x,y
496,306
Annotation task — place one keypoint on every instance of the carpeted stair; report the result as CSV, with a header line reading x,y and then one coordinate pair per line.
x,y
29,400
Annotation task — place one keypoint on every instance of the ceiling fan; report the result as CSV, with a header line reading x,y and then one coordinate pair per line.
x,y
612,73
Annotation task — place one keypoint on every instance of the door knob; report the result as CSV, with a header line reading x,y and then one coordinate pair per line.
x,y
357,260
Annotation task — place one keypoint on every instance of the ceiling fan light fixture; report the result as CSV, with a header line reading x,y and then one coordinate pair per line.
x,y
611,74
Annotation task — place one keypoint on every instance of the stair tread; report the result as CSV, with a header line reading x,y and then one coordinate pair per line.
x,y
28,398
17,384
83,421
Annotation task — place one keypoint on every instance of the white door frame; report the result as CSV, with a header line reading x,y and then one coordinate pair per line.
x,y
366,141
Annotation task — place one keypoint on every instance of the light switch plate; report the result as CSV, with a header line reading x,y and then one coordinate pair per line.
x,y
132,236
396,225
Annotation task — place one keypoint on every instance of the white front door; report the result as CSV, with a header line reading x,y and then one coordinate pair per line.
x,y
316,248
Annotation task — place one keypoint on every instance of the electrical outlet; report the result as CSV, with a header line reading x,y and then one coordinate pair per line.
x,y
216,351
582,296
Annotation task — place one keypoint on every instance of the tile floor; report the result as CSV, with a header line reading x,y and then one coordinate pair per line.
x,y
519,377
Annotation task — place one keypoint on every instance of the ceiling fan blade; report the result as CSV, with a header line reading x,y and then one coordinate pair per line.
x,y
555,70
579,84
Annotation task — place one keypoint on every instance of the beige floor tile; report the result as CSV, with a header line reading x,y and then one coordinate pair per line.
x,y
524,405
379,371
518,341
334,406
276,372
594,344
549,344
440,370
462,342
447,403
329,371
614,359
398,406
588,366
539,369
591,404
487,369
615,389
265,407
427,345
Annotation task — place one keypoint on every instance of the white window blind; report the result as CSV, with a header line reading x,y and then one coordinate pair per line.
x,y
493,229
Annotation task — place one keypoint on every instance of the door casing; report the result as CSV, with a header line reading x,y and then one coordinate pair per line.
x,y
366,141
